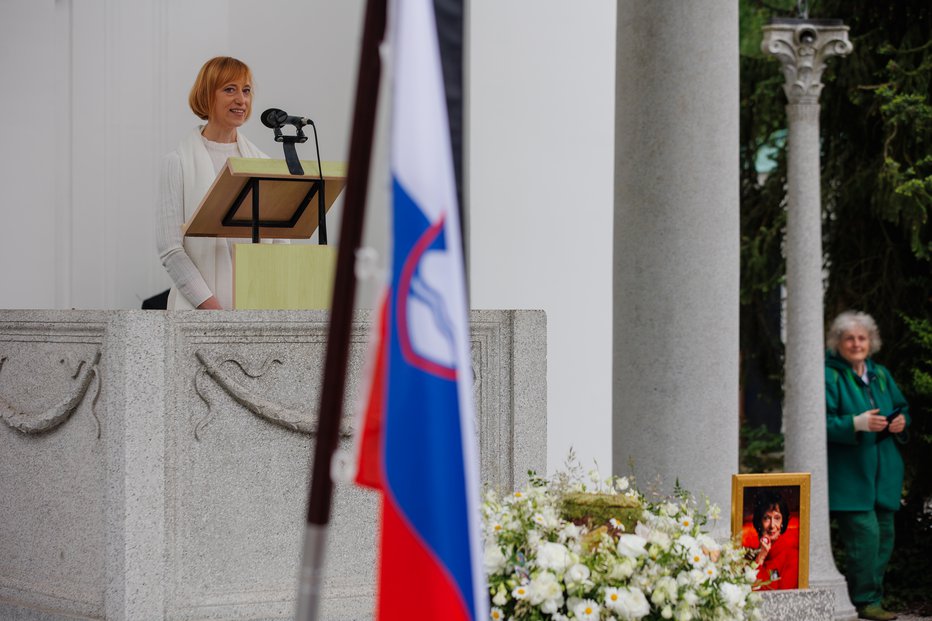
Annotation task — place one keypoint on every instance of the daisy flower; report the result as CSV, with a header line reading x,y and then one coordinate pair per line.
x,y
587,610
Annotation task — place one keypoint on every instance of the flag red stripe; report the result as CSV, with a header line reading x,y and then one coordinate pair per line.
x,y
412,584
369,471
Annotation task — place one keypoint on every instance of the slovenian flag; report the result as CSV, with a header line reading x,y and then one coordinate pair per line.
x,y
417,441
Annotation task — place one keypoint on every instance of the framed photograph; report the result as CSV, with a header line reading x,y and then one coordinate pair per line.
x,y
770,519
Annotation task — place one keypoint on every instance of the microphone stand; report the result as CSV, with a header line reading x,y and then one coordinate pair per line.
x,y
291,154
295,168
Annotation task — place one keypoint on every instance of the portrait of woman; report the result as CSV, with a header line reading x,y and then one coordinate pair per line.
x,y
777,555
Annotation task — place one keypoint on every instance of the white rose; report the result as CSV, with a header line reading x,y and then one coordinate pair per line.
x,y
686,542
494,559
545,587
533,538
664,591
631,604
631,545
708,543
501,598
733,595
683,614
623,569
576,574
553,556
551,518
660,538
569,532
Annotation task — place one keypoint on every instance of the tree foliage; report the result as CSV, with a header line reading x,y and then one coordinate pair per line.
x,y
876,134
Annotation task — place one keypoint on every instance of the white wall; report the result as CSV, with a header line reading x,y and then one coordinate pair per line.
x,y
113,77
540,182
33,152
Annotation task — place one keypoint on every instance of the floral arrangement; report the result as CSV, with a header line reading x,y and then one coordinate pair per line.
x,y
598,550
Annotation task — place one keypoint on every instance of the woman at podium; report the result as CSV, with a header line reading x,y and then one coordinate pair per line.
x,y
201,268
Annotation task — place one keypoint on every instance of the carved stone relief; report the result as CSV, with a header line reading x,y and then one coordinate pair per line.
x,y
263,407
29,421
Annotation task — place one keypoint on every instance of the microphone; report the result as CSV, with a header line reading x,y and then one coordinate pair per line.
x,y
275,118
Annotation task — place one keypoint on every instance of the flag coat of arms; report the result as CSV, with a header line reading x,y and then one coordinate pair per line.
x,y
417,436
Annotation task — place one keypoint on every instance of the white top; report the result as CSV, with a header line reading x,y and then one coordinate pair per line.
x,y
177,262
198,267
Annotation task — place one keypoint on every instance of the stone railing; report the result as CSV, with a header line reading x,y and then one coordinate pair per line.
x,y
154,465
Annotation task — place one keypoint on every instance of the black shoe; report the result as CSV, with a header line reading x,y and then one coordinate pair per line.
x,y
875,612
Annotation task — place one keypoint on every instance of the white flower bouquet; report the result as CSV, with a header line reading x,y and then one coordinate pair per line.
x,y
628,559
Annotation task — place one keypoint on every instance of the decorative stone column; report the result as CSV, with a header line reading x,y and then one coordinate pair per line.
x,y
676,246
802,46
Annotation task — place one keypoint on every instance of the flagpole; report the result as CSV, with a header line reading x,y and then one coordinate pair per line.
x,y
344,294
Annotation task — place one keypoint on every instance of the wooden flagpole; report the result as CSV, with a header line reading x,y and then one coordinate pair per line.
x,y
341,314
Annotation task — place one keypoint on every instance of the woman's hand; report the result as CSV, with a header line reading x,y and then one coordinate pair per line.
x,y
211,303
898,424
765,544
870,420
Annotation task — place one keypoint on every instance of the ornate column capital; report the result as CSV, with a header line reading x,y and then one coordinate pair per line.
x,y
802,47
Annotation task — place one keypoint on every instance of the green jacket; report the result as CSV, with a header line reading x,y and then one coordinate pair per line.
x,y
862,472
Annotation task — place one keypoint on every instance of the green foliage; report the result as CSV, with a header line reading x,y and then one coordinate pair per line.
x,y
921,381
761,450
909,574
876,133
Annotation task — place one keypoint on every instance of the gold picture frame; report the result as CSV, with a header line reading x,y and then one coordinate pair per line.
x,y
753,496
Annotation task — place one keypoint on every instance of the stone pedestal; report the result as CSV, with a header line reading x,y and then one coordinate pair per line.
x,y
802,46
153,466
676,245
797,605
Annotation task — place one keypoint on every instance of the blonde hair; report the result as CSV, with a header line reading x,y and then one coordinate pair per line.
x,y
215,73
848,320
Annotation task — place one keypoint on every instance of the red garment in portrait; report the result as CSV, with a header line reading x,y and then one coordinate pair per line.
x,y
783,557
781,567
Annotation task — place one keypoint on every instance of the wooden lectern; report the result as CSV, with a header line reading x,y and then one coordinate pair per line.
x,y
259,198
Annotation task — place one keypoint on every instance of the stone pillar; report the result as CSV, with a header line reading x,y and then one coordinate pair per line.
x,y
802,46
676,246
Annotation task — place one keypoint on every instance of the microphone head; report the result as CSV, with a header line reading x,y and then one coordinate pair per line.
x,y
274,118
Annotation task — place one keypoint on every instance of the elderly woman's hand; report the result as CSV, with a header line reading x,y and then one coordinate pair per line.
x,y
765,544
870,420
898,424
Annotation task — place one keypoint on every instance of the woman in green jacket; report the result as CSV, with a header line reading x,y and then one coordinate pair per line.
x,y
865,412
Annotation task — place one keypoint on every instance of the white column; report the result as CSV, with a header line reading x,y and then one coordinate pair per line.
x,y
676,245
802,47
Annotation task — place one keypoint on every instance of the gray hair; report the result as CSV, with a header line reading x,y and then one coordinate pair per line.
x,y
846,322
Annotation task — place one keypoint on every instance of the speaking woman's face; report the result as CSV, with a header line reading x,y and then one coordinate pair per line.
x,y
772,522
232,104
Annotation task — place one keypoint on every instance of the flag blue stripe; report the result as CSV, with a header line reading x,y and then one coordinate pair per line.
x,y
424,466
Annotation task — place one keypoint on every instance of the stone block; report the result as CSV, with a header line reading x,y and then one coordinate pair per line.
x,y
174,486
798,605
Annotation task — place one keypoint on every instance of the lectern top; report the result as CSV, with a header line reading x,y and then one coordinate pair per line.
x,y
244,166
285,200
